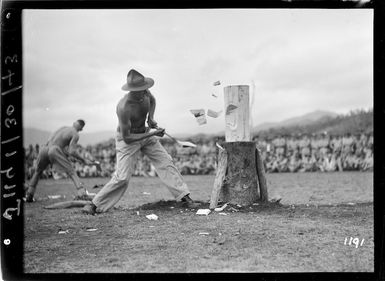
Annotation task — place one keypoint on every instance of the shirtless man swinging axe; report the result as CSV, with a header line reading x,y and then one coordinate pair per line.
x,y
133,137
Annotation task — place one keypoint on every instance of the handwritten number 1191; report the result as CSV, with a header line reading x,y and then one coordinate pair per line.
x,y
355,241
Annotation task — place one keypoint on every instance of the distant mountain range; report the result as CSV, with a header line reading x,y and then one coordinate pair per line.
x,y
298,121
36,136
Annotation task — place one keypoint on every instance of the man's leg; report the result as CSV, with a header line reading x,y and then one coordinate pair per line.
x,y
41,163
80,189
61,163
31,186
112,192
166,170
35,178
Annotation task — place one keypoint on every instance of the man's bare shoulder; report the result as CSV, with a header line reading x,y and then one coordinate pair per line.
x,y
61,131
63,136
123,107
69,130
122,102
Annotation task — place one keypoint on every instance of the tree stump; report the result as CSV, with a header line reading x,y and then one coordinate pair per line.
x,y
241,182
240,177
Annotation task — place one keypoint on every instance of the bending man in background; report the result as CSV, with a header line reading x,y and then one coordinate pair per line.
x,y
55,153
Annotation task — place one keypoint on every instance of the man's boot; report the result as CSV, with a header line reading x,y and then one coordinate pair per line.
x,y
82,194
89,209
189,203
28,196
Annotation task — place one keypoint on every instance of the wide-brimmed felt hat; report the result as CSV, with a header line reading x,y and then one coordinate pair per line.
x,y
137,82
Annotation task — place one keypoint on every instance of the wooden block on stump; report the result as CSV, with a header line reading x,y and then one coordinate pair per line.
x,y
237,113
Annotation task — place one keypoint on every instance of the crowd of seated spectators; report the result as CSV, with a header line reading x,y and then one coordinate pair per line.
x,y
317,152
294,153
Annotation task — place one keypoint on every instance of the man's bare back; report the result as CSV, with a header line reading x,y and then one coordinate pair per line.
x,y
63,137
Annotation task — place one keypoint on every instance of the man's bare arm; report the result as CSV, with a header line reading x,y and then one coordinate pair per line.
x,y
150,120
72,149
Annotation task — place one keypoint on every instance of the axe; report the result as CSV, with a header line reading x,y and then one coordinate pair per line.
x,y
182,143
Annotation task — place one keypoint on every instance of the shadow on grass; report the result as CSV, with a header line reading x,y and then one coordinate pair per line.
x,y
171,204
265,208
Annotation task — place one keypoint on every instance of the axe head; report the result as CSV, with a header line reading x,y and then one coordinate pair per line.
x,y
186,144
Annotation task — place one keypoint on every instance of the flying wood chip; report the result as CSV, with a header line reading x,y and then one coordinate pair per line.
x,y
213,113
197,112
199,115
217,83
201,120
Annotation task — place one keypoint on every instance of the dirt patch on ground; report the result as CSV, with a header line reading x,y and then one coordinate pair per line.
x,y
295,236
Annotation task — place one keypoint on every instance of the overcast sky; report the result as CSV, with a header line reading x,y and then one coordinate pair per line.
x,y
75,62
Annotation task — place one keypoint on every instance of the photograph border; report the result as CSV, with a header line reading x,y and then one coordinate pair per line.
x,y
12,154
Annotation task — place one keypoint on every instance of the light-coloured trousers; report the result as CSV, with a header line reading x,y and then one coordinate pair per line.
x,y
126,157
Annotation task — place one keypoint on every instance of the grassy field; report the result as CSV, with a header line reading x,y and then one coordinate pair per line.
x,y
305,233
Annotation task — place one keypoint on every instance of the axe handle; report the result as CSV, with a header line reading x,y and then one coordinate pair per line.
x,y
168,135
171,137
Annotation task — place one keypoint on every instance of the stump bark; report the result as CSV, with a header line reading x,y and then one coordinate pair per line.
x,y
219,178
240,177
261,176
